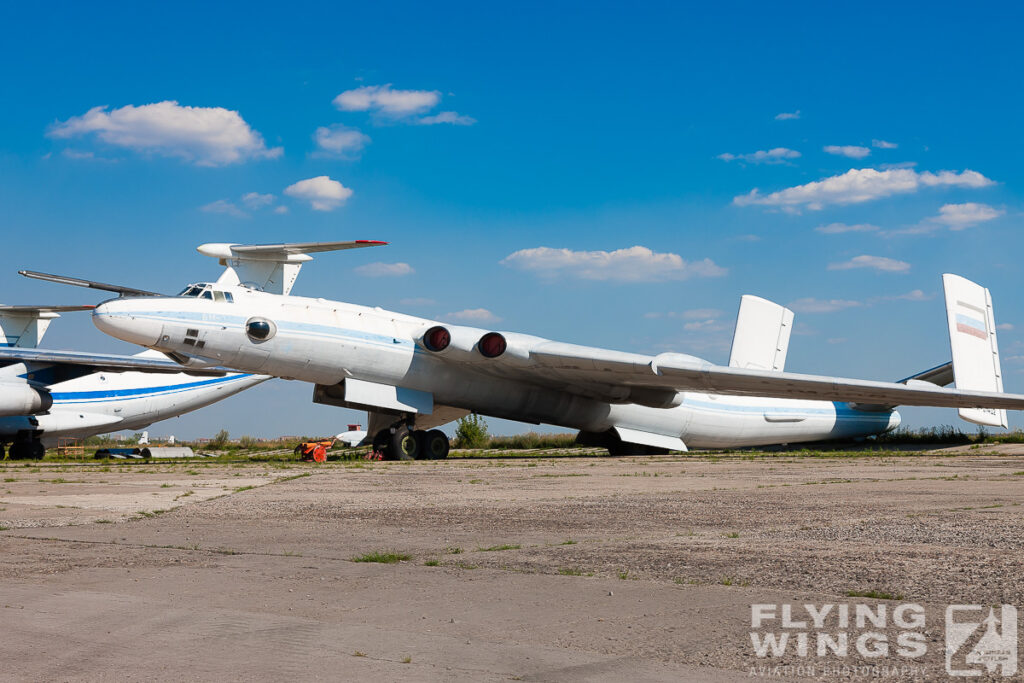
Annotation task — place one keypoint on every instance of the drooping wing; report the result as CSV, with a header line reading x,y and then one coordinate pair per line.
x,y
90,284
686,373
97,362
30,310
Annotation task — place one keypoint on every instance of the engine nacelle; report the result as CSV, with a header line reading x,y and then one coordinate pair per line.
x,y
454,341
21,399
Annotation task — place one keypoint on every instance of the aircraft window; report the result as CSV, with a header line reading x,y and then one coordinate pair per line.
x,y
207,295
260,329
229,297
191,290
218,296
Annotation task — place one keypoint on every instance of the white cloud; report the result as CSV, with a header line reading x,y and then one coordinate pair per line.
x,y
901,164
281,209
225,207
1004,327
860,185
913,295
812,305
340,141
788,116
708,325
692,314
384,269
206,136
851,151
454,118
882,144
383,99
838,228
961,216
255,200
778,155
635,264
321,192
874,262
473,315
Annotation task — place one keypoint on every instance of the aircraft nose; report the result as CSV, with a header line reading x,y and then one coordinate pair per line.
x,y
121,318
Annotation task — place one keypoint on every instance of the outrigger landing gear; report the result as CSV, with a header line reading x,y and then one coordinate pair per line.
x,y
400,442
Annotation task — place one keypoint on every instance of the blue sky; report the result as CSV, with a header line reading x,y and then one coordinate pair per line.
x,y
472,132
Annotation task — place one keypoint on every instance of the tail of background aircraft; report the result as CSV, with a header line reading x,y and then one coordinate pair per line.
x,y
24,326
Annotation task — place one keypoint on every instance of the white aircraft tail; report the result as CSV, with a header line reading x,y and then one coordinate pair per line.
x,y
271,268
24,326
972,339
761,338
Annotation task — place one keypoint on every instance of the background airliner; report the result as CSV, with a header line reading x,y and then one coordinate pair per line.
x,y
45,395
412,374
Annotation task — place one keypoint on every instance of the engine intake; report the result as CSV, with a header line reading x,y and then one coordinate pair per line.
x,y
437,338
492,345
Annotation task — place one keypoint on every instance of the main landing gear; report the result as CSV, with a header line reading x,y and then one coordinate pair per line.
x,y
26,446
401,443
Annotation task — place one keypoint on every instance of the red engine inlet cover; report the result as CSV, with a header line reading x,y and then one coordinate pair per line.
x,y
437,339
492,345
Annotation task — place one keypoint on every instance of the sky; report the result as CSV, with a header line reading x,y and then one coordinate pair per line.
x,y
607,174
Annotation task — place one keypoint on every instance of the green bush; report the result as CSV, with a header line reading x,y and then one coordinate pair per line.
x,y
472,432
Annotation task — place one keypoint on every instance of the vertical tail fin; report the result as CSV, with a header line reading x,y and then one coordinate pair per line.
x,y
24,326
761,338
972,339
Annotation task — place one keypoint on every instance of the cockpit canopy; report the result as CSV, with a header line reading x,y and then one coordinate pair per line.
x,y
203,290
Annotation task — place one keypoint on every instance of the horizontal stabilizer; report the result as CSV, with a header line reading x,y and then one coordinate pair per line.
x,y
672,443
271,267
761,338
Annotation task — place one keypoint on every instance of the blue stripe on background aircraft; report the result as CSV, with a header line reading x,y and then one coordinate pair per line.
x,y
413,375
46,395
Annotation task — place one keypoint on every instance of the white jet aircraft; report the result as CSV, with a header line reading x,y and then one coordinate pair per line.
x,y
45,395
413,375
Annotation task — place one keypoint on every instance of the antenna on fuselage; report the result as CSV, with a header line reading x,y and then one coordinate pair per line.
x,y
271,268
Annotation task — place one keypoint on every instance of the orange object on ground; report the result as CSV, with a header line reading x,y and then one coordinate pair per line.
x,y
315,451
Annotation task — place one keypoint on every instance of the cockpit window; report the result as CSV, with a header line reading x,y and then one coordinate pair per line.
x,y
218,296
229,297
206,295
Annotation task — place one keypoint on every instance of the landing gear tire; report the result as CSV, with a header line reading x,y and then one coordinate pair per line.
x,y
20,450
435,445
404,445
38,450
381,445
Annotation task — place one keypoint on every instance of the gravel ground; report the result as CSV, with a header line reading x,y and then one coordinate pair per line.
x,y
569,568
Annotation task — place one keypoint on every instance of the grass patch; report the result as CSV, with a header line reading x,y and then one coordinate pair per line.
x,y
453,550
572,571
732,534
875,595
494,548
568,541
357,653
104,521
4,528
406,659
624,574
432,563
382,557
244,488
